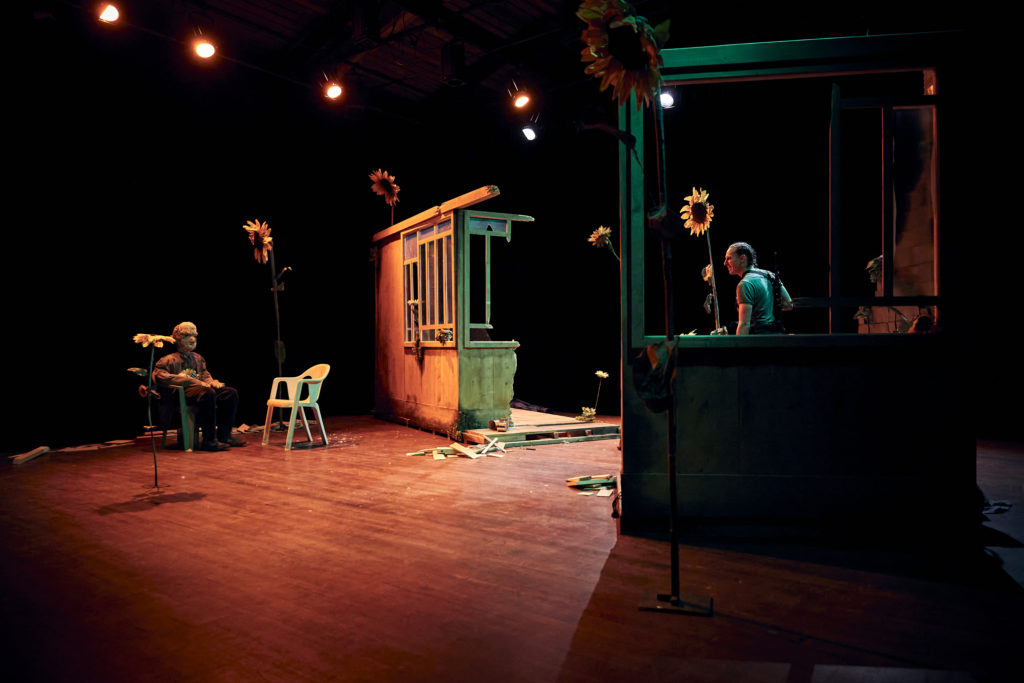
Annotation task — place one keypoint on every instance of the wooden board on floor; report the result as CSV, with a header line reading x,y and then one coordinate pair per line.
x,y
532,428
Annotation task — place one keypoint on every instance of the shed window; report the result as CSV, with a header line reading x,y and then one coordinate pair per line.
x,y
428,283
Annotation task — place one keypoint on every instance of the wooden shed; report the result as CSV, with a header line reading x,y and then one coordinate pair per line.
x,y
437,366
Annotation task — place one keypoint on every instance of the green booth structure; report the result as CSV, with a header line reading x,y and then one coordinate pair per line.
x,y
853,425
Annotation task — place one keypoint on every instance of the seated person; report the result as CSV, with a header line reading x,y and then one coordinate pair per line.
x,y
216,403
755,293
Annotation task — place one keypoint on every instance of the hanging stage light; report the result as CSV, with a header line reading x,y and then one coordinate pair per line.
x,y
108,13
333,90
531,128
667,101
520,97
203,46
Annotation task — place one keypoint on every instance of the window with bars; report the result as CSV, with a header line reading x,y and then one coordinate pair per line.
x,y
428,271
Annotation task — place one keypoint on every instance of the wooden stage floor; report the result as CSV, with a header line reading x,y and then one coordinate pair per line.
x,y
358,562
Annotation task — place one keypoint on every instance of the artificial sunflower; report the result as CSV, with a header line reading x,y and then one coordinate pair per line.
x,y
622,49
384,185
259,236
697,213
156,340
600,237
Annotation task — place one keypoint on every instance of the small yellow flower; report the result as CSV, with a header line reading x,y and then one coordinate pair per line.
x,y
697,213
384,185
259,236
602,374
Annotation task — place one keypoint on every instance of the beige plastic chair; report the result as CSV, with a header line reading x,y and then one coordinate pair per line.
x,y
312,381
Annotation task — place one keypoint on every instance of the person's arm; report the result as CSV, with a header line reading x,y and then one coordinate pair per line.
x,y
744,307
746,311
204,375
787,302
164,371
168,373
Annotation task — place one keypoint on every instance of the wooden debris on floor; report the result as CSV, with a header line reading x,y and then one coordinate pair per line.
x,y
455,450
526,427
25,457
602,485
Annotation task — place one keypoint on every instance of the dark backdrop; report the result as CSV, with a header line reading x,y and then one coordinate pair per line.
x,y
132,172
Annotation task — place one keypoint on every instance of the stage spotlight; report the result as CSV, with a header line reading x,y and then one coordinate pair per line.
x,y
667,101
520,96
203,46
108,13
332,90
531,127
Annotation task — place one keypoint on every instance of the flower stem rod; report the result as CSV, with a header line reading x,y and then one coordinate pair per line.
x,y
714,286
277,312
149,415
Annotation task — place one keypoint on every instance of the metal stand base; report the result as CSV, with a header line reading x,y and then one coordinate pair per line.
x,y
684,603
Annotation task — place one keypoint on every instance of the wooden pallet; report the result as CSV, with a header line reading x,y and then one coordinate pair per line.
x,y
530,428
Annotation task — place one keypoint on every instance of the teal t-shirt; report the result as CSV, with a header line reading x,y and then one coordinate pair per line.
x,y
755,288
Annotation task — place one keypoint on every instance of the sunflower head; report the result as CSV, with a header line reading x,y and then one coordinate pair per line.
x,y
259,237
697,213
602,374
600,237
384,185
622,49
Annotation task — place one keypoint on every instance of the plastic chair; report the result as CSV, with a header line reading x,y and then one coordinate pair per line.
x,y
188,429
312,381
188,422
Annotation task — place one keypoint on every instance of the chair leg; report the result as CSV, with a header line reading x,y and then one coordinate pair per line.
x,y
291,429
266,426
305,424
320,421
188,430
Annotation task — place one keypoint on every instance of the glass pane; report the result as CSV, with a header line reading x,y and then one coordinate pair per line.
x,y
409,246
448,279
431,289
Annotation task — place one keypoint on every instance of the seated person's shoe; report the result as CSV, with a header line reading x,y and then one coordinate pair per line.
x,y
235,441
213,446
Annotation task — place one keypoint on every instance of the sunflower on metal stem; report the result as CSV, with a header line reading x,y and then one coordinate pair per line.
x,y
622,49
263,245
154,342
696,216
384,184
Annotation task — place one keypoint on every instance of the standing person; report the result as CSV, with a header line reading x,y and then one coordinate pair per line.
x,y
217,402
755,295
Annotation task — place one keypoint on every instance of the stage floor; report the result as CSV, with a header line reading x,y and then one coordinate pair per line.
x,y
359,562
